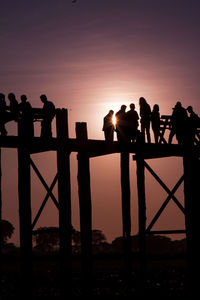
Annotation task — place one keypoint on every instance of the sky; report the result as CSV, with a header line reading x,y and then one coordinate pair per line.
x,y
89,57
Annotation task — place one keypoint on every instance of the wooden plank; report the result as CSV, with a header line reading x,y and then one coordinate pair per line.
x,y
164,187
44,201
44,183
164,204
175,231
93,147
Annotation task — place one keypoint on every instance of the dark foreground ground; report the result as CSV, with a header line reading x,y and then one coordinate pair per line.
x,y
165,278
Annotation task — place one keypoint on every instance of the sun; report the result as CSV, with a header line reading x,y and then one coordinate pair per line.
x,y
114,120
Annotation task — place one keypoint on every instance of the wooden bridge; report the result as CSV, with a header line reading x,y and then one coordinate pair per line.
x,y
86,148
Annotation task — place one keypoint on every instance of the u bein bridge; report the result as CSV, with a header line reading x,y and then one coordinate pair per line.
x,y
86,149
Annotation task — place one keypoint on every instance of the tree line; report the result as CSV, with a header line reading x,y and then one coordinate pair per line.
x,y
46,241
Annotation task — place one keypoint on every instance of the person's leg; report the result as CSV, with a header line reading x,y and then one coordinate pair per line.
x,y
111,134
172,133
133,136
143,131
106,134
156,134
43,129
148,133
49,131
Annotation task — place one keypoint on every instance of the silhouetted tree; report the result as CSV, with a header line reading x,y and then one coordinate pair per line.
x,y
98,240
7,231
46,238
76,238
155,244
98,237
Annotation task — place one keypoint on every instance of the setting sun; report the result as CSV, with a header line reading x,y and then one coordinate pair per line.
x,y
114,119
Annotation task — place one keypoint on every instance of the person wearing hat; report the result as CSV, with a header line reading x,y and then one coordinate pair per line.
x,y
121,124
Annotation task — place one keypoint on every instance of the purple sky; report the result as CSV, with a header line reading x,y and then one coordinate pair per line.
x,y
92,56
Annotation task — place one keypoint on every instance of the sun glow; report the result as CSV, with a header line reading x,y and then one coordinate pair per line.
x,y
114,119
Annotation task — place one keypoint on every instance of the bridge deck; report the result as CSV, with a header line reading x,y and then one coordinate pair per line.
x,y
93,147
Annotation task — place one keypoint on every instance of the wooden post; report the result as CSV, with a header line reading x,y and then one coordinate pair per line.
x,y
126,216
191,166
64,198
85,205
1,236
24,184
142,216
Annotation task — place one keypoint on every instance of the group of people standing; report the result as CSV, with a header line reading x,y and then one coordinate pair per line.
x,y
183,123
127,123
23,113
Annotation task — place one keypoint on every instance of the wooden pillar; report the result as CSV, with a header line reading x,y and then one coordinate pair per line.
x,y
24,185
1,236
191,166
141,216
126,215
85,204
64,198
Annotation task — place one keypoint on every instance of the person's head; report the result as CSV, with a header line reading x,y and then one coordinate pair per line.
x,y
23,98
189,109
142,101
2,96
123,107
43,98
132,106
11,96
156,107
111,112
178,104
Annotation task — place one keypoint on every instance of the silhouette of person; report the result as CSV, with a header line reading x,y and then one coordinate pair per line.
x,y
108,126
145,114
26,120
193,115
132,123
121,124
193,123
14,109
155,122
179,123
3,115
48,115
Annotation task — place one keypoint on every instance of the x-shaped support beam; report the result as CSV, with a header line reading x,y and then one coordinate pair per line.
x,y
170,196
48,189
